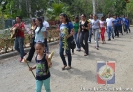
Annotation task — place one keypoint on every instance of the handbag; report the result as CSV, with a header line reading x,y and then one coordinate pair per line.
x,y
72,44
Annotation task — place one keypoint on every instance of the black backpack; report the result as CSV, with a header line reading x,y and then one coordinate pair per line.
x,y
73,44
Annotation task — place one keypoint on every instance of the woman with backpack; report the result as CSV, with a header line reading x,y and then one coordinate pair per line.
x,y
66,32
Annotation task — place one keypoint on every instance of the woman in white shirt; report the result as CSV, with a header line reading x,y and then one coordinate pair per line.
x,y
102,27
95,27
40,32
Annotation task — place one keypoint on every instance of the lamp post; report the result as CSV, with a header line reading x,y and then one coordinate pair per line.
x,y
94,6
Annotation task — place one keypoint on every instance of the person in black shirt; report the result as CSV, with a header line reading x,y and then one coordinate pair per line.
x,y
84,33
43,63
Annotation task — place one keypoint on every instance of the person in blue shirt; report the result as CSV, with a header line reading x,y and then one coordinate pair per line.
x,y
66,29
120,24
127,24
116,26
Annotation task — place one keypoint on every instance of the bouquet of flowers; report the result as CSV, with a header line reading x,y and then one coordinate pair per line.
x,y
65,43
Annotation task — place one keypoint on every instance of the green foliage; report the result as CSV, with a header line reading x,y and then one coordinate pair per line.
x,y
119,6
54,11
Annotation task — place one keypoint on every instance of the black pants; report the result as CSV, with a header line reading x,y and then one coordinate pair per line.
x,y
116,30
120,29
84,39
32,51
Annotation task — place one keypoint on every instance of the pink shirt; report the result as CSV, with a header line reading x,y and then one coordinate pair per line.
x,y
102,23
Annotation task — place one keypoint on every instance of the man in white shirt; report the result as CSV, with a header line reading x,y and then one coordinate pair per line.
x,y
109,27
46,25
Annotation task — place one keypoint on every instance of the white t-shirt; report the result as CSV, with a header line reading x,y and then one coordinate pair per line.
x,y
45,24
102,23
95,24
39,36
109,21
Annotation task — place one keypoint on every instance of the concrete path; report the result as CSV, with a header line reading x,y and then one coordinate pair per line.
x,y
15,76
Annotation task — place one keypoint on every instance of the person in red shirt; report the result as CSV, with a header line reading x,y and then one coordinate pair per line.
x,y
19,40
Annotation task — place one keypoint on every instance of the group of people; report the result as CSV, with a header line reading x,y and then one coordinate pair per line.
x,y
81,30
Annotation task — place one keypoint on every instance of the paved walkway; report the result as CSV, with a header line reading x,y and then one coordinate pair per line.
x,y
15,77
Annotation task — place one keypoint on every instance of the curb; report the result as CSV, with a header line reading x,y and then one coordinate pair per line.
x,y
14,53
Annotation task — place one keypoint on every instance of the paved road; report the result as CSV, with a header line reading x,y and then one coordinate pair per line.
x,y
15,77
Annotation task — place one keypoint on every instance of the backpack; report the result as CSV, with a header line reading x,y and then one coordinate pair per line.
x,y
73,44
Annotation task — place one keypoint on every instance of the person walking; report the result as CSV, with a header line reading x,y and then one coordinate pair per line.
x,y
84,34
90,31
109,27
127,24
102,28
76,28
19,37
46,25
32,44
95,28
66,32
43,63
116,26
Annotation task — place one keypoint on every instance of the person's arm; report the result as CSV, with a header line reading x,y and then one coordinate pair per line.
x,y
32,68
71,33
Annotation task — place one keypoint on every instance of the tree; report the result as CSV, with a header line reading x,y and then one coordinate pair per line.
x,y
119,6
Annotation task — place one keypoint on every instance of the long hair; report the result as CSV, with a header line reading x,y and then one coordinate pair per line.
x,y
41,24
66,17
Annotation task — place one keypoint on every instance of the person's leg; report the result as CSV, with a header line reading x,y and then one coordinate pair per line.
x,y
96,37
129,29
73,51
126,29
102,33
39,85
16,44
31,52
21,46
75,38
94,34
112,31
81,40
117,31
86,35
68,52
90,34
108,31
46,83
78,43
121,30
62,53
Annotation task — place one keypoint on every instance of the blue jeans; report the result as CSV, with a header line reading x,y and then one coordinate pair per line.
x,y
46,83
90,35
18,45
110,31
96,36
77,40
68,52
